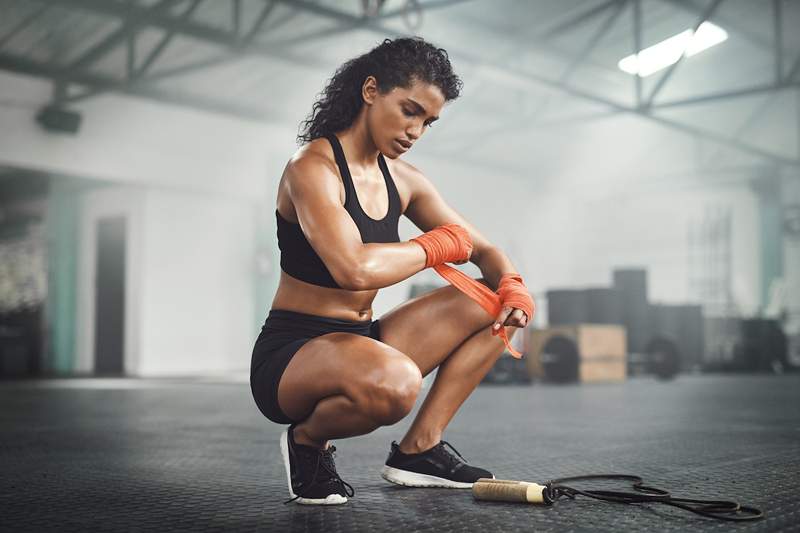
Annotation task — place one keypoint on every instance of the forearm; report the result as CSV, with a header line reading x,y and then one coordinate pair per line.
x,y
384,264
493,263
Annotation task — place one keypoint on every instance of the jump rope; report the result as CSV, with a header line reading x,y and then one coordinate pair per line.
x,y
452,243
547,494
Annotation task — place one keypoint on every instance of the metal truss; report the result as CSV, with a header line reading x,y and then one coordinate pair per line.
x,y
647,107
176,17
237,40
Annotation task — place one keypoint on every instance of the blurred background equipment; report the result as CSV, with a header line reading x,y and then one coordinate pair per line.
x,y
676,339
58,120
661,339
711,261
583,352
747,345
23,272
631,285
508,370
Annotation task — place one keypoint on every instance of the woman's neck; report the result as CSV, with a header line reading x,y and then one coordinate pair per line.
x,y
357,143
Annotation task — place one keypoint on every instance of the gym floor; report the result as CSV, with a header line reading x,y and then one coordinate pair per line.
x,y
196,455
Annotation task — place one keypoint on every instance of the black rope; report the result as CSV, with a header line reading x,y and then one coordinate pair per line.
x,y
719,509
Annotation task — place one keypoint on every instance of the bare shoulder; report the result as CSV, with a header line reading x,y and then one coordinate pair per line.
x,y
310,172
410,180
313,166
312,159
404,170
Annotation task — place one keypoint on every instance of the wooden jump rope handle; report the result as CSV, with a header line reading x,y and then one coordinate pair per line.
x,y
503,490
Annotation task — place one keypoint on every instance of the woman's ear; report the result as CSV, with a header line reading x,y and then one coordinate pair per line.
x,y
369,91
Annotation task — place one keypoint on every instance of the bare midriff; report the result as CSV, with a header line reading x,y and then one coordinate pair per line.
x,y
301,297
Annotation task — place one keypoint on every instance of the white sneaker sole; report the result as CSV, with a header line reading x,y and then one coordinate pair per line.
x,y
412,479
331,499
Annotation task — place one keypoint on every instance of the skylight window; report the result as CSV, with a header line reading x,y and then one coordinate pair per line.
x,y
669,51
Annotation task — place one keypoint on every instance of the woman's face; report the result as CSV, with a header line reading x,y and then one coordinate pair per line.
x,y
398,118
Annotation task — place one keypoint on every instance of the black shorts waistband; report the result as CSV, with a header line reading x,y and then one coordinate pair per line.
x,y
292,319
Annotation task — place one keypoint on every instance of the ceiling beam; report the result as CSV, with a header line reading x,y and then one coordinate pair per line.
x,y
578,19
423,5
725,95
793,70
777,30
193,29
351,23
601,32
258,24
277,46
637,47
697,8
533,117
60,74
708,13
23,24
236,16
756,113
228,40
574,91
134,73
131,23
165,41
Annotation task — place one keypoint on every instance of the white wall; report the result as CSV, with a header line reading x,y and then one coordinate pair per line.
x,y
188,283
131,140
189,184
575,238
197,305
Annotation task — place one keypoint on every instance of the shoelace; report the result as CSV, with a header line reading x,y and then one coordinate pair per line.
x,y
452,461
325,459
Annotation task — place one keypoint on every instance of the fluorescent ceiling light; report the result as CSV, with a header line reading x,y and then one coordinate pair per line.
x,y
669,51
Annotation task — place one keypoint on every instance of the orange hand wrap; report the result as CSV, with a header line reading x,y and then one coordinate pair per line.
x,y
511,292
514,293
451,243
448,243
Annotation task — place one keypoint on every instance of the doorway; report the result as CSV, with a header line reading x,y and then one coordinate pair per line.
x,y
109,333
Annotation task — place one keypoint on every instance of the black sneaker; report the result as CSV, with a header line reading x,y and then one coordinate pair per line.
x,y
436,467
311,473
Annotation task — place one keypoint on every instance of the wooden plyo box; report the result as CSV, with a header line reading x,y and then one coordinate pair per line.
x,y
601,348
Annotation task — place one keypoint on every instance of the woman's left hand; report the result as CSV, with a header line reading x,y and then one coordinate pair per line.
x,y
510,316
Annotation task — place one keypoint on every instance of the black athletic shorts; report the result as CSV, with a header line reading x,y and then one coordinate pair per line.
x,y
283,333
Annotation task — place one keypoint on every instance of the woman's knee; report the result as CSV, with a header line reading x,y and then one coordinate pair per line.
x,y
388,392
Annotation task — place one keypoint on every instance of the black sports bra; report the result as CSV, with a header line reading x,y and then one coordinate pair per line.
x,y
298,258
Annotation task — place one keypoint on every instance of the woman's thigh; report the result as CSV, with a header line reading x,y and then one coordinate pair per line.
x,y
336,363
431,326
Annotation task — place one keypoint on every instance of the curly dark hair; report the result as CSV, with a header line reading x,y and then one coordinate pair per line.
x,y
393,63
